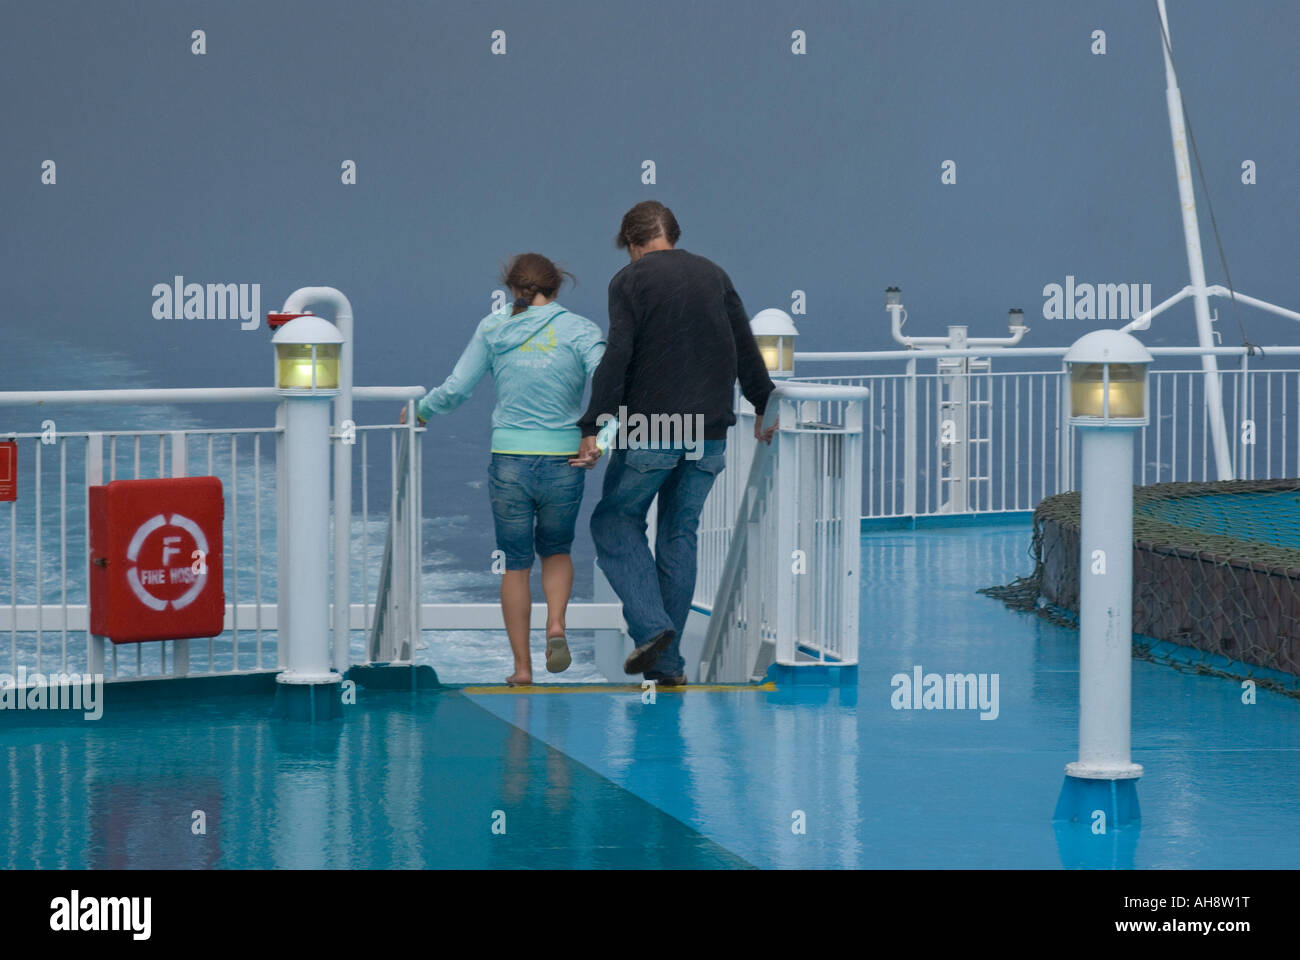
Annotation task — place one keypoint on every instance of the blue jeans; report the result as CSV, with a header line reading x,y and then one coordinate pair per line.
x,y
656,590
535,502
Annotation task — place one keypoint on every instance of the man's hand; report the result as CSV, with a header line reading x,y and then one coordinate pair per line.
x,y
588,454
764,435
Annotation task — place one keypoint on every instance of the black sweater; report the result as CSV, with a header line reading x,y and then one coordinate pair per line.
x,y
678,338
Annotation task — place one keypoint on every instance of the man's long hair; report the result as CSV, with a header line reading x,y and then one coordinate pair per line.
x,y
647,220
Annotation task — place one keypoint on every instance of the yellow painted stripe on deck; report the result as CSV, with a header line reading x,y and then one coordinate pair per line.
x,y
622,688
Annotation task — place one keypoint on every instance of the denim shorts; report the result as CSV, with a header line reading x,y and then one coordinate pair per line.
x,y
535,502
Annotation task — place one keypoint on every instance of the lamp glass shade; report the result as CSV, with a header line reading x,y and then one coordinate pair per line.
x,y
1126,391
295,363
777,353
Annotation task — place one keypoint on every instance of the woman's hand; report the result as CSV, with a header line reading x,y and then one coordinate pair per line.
x,y
419,419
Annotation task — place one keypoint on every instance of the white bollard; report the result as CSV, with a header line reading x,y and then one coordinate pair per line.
x,y
1106,606
307,351
1108,403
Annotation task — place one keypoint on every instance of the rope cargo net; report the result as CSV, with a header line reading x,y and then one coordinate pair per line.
x,y
1216,577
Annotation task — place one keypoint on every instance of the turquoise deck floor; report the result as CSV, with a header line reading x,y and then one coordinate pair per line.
x,y
698,779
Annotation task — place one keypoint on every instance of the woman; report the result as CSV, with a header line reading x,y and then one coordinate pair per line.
x,y
540,356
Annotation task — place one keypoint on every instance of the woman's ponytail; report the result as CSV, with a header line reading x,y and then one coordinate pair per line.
x,y
530,274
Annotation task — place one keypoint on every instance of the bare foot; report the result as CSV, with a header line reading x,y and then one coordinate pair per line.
x,y
518,679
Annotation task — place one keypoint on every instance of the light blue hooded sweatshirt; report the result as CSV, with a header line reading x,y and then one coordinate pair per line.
x,y
540,360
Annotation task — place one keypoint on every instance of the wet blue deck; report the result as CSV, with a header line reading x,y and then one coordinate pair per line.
x,y
698,779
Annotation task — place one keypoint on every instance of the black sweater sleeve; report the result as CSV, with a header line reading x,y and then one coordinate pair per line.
x,y
608,381
755,383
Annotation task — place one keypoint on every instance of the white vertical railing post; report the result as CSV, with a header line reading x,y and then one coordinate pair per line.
x,y
413,512
94,478
1245,465
851,508
180,468
399,581
803,517
784,511
909,441
1065,447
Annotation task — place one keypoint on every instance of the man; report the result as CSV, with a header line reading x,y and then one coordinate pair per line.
x,y
678,339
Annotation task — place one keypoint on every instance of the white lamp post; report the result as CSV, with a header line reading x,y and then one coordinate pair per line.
x,y
307,376
1108,403
775,333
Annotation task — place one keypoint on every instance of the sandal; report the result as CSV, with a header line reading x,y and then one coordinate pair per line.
x,y
557,654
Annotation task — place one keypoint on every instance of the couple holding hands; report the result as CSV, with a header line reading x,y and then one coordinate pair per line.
x,y
678,339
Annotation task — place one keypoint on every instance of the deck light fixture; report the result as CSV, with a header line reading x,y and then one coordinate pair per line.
x,y
775,333
1108,374
1108,380
307,377
307,356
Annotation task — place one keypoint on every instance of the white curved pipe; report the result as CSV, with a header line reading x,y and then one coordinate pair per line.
x,y
896,329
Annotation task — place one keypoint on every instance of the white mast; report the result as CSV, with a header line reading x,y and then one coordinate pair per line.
x,y
1195,263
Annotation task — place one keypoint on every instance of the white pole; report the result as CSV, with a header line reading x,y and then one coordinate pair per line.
x,y
1105,605
94,478
306,444
343,492
1195,262
180,468
297,302
909,443
284,562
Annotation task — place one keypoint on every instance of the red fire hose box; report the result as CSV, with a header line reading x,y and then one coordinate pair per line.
x,y
156,559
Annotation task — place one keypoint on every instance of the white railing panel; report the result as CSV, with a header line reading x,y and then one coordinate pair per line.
x,y
787,591
1024,448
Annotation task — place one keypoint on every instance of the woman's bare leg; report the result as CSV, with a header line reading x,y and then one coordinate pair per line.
x,y
516,610
557,584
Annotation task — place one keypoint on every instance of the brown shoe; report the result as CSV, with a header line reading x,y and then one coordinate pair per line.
x,y
643,657
676,681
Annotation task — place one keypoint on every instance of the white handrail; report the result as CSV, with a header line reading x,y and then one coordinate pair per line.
x,y
839,356
801,390
148,395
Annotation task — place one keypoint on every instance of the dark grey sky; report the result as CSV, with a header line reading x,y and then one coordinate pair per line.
x,y
817,172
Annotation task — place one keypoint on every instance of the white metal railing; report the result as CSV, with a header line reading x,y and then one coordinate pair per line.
x,y
786,590
394,629
46,618
1027,451
44,613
